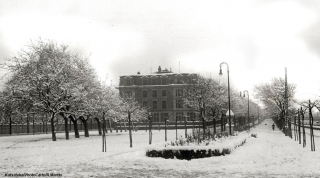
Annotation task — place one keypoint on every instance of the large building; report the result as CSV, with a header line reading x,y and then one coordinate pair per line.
x,y
161,92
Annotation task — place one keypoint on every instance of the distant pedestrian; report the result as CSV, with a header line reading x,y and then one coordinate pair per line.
x,y
273,126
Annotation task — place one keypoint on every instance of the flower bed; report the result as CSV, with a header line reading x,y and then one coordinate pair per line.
x,y
217,147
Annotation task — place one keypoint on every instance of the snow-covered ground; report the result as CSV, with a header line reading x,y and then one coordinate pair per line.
x,y
271,154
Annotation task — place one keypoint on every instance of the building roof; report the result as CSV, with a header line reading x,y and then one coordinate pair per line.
x,y
158,74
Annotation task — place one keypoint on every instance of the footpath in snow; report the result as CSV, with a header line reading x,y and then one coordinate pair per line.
x,y
271,154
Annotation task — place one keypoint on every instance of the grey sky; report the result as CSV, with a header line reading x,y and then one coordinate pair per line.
x,y
256,38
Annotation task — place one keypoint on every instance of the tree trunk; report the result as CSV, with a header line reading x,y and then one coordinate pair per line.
x,y
10,126
221,122
99,126
203,126
303,130
75,128
86,129
109,122
43,123
52,128
295,129
185,128
28,123
176,129
130,134
150,131
106,126
120,125
116,126
104,141
311,128
66,127
214,126
33,124
299,127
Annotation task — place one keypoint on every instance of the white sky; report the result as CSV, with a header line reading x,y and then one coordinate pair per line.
x,y
258,39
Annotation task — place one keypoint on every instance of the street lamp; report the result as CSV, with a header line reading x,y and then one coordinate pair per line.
x,y
228,92
244,95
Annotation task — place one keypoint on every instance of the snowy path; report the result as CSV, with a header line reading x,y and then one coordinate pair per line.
x,y
270,155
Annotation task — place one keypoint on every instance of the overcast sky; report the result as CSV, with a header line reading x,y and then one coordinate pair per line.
x,y
258,39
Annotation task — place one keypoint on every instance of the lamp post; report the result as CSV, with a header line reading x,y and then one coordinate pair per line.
x,y
244,95
228,92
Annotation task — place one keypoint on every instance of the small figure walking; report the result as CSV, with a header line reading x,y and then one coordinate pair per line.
x,y
273,126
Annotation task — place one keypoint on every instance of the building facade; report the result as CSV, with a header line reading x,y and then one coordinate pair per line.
x,y
161,92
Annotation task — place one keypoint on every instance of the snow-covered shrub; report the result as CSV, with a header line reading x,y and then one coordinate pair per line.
x,y
189,148
254,135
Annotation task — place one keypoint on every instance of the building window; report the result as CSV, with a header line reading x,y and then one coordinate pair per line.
x,y
164,104
145,103
191,116
154,105
179,104
154,81
164,81
179,116
155,117
145,93
164,116
179,92
179,80
171,80
128,82
145,82
164,92
155,93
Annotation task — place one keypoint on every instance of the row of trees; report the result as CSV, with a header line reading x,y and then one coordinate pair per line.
x,y
209,99
273,95
49,78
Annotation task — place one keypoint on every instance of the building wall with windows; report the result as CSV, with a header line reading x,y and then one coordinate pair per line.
x,y
161,92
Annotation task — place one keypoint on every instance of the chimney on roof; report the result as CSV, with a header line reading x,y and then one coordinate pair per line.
x,y
159,69
138,73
